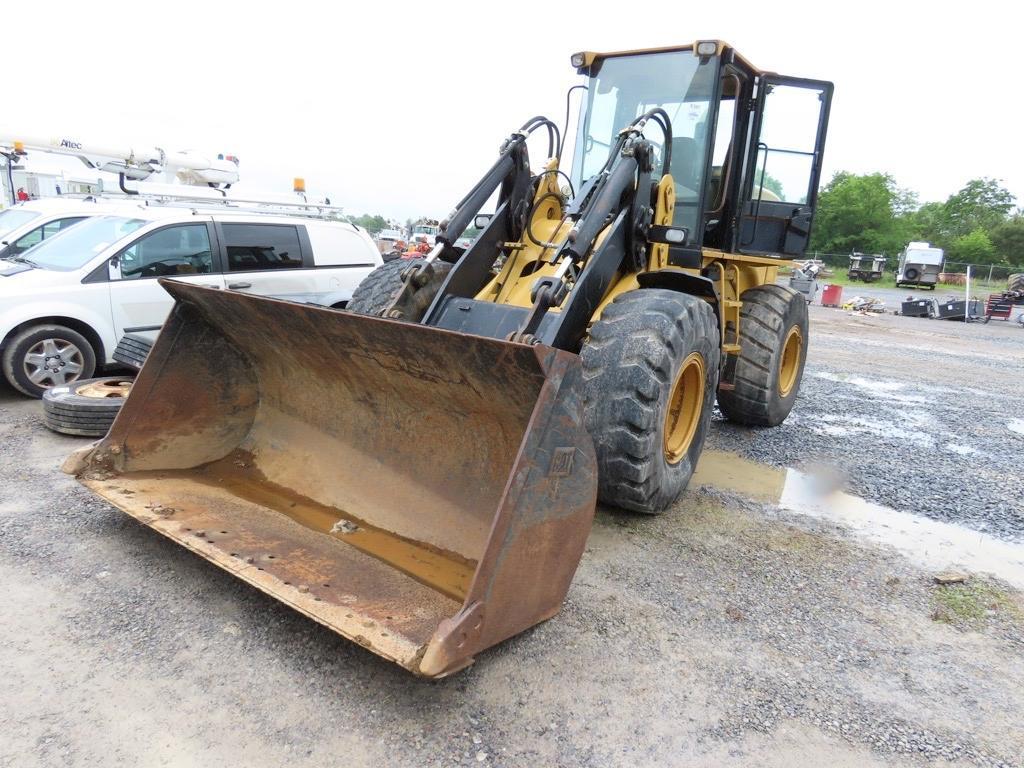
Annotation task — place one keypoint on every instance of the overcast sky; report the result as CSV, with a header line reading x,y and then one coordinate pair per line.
x,y
398,109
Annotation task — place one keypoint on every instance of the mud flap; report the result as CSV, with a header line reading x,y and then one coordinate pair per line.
x,y
422,492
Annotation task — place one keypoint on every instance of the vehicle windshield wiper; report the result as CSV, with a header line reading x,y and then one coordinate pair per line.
x,y
21,260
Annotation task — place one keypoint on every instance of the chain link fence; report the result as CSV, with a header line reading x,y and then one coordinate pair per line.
x,y
953,272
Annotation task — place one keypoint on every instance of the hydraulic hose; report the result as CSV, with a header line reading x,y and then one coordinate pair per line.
x,y
554,135
661,118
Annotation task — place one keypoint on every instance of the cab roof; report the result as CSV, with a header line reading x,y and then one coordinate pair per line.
x,y
721,47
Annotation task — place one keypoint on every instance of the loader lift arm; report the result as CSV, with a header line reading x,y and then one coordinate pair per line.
x,y
617,201
510,172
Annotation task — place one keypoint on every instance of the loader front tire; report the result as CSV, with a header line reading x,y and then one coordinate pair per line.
x,y
379,288
650,371
773,349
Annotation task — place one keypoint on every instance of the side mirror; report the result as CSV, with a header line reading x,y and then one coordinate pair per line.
x,y
482,220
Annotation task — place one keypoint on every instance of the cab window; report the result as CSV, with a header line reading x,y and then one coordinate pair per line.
x,y
626,87
786,152
178,250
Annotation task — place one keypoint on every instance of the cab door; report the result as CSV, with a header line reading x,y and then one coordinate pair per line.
x,y
181,251
783,169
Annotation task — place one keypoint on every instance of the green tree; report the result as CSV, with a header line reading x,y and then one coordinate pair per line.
x,y
1008,240
972,248
372,224
981,204
926,224
859,213
904,201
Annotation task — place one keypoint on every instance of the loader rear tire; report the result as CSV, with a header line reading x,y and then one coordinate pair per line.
x,y
650,371
1015,283
770,365
379,288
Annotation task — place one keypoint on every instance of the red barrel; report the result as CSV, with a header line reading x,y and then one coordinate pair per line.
x,y
832,296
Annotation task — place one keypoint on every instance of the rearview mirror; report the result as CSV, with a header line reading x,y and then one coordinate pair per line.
x,y
482,220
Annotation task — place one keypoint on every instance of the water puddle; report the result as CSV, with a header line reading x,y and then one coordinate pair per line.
x,y
929,543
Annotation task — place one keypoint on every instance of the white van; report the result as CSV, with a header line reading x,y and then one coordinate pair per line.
x,y
66,302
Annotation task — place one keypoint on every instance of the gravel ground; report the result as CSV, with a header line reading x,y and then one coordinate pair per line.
x,y
725,632
924,416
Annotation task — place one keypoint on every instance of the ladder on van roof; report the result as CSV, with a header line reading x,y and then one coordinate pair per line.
x,y
219,199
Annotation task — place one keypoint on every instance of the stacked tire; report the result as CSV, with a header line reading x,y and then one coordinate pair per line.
x,y
85,408
1016,283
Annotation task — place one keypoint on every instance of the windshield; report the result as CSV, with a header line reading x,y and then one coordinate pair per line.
x,y
625,87
76,246
11,219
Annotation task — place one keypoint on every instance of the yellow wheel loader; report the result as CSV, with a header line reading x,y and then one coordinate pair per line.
x,y
419,472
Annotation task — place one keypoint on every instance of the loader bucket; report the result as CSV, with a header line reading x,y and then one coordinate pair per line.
x,y
424,493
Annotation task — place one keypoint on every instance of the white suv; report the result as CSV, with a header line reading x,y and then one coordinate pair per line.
x,y
66,302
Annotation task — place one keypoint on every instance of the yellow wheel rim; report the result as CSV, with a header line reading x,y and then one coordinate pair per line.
x,y
685,405
789,367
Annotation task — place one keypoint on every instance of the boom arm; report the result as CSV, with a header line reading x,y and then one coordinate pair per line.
x,y
607,222
187,167
511,172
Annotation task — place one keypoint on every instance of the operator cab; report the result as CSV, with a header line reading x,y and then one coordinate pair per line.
x,y
746,145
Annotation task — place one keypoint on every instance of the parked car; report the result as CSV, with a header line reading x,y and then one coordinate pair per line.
x,y
66,302
27,224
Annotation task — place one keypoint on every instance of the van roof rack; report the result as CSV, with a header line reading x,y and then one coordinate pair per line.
x,y
184,196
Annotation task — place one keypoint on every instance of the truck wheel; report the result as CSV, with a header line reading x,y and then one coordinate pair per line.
x,y
380,287
773,349
910,273
650,370
45,356
87,407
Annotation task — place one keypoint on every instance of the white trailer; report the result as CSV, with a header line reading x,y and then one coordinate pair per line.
x,y
920,265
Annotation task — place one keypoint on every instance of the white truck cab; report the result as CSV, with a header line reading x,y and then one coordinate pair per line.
x,y
66,301
424,231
